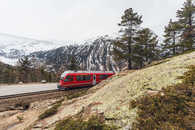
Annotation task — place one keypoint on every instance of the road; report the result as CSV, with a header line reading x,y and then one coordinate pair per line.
x,y
25,88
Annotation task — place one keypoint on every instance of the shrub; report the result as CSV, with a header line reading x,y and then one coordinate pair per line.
x,y
77,124
173,110
23,104
51,111
76,94
20,118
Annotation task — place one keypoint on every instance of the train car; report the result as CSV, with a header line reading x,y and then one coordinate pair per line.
x,y
72,79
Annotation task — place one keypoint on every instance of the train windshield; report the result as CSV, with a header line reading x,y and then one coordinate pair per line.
x,y
63,75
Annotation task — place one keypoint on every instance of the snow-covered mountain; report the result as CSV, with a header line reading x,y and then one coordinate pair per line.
x,y
13,47
93,55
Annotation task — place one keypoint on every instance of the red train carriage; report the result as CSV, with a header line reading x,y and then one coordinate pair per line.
x,y
70,79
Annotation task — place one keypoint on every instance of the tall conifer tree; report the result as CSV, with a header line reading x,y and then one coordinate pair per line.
x,y
187,24
130,22
73,64
171,36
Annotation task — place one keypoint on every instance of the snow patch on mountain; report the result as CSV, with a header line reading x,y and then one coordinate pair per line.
x,y
26,45
8,61
13,47
93,55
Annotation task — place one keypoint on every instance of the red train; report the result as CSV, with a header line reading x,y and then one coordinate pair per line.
x,y
72,79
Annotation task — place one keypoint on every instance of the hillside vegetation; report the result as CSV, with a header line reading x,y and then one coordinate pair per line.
x,y
10,75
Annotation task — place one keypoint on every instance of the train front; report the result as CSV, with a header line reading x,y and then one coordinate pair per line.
x,y
60,84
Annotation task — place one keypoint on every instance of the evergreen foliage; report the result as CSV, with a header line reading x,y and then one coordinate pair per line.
x,y
136,46
24,66
145,48
180,34
10,74
73,64
130,22
172,35
186,21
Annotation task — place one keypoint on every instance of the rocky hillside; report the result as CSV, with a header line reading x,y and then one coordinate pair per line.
x,y
93,55
111,98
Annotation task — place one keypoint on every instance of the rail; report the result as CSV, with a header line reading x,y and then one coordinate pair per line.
x,y
28,94
41,92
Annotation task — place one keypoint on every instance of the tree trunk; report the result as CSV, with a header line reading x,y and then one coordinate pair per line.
x,y
190,30
129,51
174,48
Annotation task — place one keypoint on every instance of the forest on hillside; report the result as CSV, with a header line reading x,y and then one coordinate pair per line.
x,y
24,73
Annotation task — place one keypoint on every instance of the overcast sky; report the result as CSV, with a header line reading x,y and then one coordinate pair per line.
x,y
78,20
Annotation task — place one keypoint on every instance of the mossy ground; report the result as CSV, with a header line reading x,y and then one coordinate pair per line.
x,y
94,123
173,108
76,95
51,111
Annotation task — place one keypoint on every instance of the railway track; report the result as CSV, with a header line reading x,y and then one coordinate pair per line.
x,y
27,94
9,101
42,92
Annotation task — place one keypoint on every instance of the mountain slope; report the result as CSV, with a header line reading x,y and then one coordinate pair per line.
x,y
93,55
13,47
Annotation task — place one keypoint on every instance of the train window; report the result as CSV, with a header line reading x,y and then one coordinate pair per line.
x,y
87,77
103,76
68,78
79,78
83,77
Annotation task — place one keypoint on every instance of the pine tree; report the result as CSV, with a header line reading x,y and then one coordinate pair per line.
x,y
171,36
73,64
122,49
145,49
24,65
186,21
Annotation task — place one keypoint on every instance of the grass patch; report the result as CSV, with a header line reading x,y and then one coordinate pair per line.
x,y
76,94
51,111
175,109
158,62
20,118
23,104
94,123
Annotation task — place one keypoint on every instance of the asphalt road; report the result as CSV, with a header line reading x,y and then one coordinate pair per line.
x,y
25,88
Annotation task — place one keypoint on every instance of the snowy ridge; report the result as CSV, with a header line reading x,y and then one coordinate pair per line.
x,y
15,47
8,60
93,55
